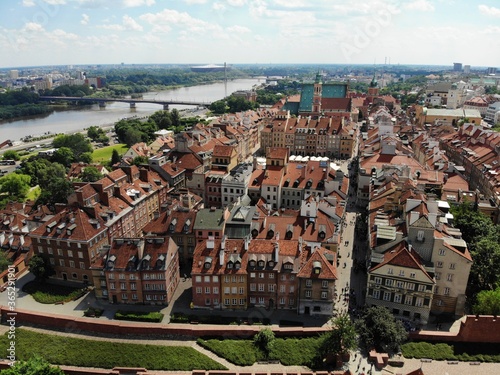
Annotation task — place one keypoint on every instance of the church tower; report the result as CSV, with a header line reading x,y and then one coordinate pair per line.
x,y
373,90
316,107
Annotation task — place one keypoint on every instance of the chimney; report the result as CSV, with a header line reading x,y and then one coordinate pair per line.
x,y
221,257
247,242
140,249
303,171
300,244
223,243
277,236
276,251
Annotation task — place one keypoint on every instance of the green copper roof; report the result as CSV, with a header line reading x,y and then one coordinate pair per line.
x,y
329,90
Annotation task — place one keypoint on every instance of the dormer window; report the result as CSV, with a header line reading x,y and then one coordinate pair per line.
x,y
255,232
270,234
261,263
271,263
237,265
322,235
252,263
316,268
230,265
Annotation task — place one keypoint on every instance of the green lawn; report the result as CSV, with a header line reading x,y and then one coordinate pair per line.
x,y
60,350
139,316
104,154
51,293
289,351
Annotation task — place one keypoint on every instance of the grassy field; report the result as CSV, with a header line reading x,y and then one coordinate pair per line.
x,y
104,154
60,350
50,293
290,351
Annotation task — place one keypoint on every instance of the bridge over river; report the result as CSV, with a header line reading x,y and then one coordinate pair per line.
x,y
102,101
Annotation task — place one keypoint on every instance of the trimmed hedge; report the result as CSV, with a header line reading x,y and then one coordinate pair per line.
x,y
138,316
50,293
60,350
455,352
214,319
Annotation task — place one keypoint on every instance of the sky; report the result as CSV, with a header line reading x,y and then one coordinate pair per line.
x,y
74,32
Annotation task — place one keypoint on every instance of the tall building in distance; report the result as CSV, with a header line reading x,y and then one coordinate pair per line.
x,y
457,67
491,71
466,69
14,74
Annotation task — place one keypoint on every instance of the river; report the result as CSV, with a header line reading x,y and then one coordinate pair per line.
x,y
67,121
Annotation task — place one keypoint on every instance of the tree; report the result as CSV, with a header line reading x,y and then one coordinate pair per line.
x,y
57,191
93,132
42,171
15,185
4,261
64,156
488,302
342,338
162,119
218,107
264,340
11,155
91,174
40,267
115,157
138,160
378,328
33,366
175,117
75,142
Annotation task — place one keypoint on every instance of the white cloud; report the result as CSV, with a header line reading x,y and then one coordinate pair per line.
x,y
128,24
191,2
420,5
218,7
291,3
28,3
489,11
137,3
236,3
171,16
85,19
33,27
238,29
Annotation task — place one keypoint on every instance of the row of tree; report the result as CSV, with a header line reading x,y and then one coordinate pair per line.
x,y
483,241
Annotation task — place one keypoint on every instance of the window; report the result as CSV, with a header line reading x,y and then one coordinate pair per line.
x,y
408,300
439,302
324,284
421,288
80,254
282,300
252,300
134,296
59,252
387,296
401,273
439,264
226,301
227,279
72,264
436,290
437,275
308,294
261,275
261,300
198,290
446,291
240,290
234,301
206,279
400,284
376,293
282,288
112,286
390,271
253,287
234,290
410,286
123,286
111,276
452,266
309,283
227,290
271,287
242,301
215,290
378,280
283,277
124,296
271,275
389,282
442,252
61,262
197,279
133,286
419,302
207,290
449,277
82,265
252,275
261,287
397,298
324,295
412,275
215,279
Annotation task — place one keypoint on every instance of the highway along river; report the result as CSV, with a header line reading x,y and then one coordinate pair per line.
x,y
67,121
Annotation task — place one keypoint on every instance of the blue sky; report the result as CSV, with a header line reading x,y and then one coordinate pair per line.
x,y
61,32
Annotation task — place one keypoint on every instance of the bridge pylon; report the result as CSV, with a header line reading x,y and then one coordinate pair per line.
x,y
102,104
132,104
165,107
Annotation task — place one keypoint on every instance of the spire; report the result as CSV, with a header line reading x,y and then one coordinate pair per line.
x,y
318,77
373,83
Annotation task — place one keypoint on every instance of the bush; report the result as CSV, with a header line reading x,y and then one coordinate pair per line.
x,y
93,312
51,293
238,352
459,351
138,316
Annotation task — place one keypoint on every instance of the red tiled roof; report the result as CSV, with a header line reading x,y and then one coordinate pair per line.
x,y
328,270
223,151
